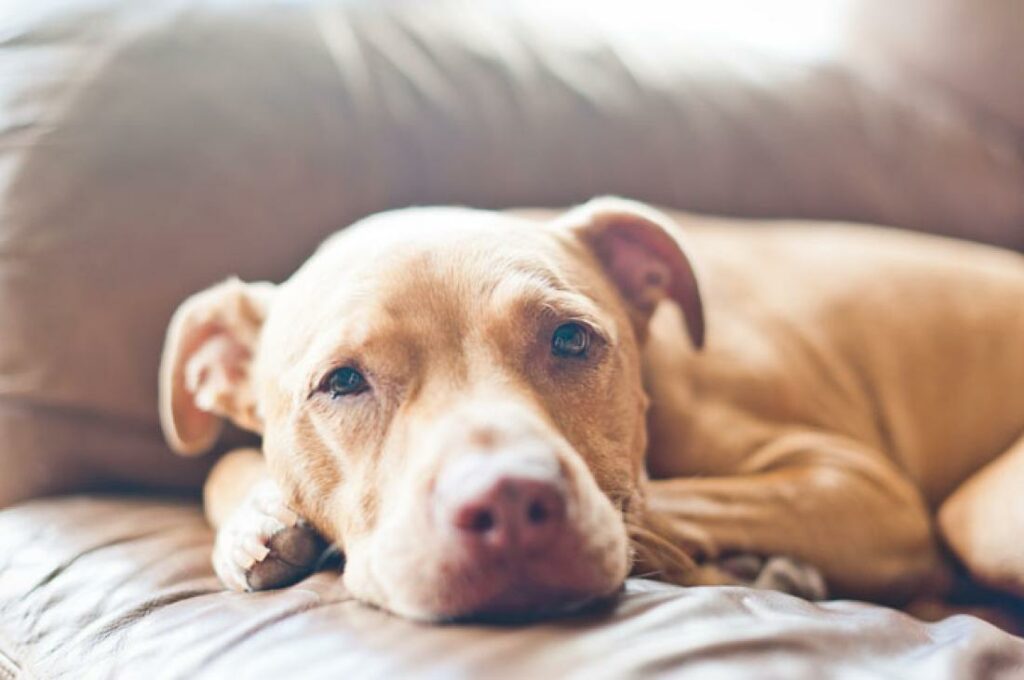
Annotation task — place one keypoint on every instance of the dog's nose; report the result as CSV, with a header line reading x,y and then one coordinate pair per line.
x,y
510,501
512,514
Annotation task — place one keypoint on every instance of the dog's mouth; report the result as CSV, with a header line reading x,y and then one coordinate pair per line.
x,y
518,600
512,536
574,576
521,593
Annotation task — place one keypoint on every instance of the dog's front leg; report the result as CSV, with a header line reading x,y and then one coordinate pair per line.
x,y
826,500
261,542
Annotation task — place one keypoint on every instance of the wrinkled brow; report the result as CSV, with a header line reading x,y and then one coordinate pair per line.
x,y
536,292
345,338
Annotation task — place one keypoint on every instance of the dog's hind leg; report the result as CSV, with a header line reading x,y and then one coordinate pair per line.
x,y
261,542
983,522
822,499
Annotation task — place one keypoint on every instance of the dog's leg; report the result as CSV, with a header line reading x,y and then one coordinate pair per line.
x,y
660,553
824,500
261,542
983,522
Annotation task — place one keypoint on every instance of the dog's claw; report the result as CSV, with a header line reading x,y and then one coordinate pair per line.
x,y
781,573
792,576
265,544
292,553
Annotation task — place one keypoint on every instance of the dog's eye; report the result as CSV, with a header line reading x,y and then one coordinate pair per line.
x,y
570,340
343,382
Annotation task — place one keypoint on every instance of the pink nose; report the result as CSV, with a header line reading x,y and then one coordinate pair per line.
x,y
512,514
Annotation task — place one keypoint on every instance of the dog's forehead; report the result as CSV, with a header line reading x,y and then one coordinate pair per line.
x,y
416,269
390,253
392,238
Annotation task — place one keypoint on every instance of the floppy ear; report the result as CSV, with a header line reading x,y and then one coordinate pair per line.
x,y
205,368
635,245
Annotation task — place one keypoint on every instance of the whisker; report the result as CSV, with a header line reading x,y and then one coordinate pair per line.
x,y
655,553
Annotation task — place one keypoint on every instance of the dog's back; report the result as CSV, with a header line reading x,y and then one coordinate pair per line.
x,y
909,343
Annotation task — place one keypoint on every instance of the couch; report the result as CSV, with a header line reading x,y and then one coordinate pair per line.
x,y
151,149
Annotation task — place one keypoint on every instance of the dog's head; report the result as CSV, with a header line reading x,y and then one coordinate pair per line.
x,y
454,396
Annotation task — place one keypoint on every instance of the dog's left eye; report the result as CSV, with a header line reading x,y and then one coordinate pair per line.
x,y
570,340
343,382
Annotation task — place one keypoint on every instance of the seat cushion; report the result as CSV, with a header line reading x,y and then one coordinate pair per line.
x,y
115,587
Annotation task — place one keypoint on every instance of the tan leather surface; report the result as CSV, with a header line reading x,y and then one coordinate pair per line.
x,y
151,149
94,587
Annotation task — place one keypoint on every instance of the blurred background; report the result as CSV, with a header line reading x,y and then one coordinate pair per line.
x,y
149,149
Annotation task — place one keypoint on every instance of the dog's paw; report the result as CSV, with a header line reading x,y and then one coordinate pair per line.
x,y
264,544
785,574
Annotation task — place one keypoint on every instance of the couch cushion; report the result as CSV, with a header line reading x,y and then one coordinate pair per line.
x,y
981,66
105,587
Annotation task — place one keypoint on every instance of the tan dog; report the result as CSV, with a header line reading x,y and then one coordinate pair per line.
x,y
459,399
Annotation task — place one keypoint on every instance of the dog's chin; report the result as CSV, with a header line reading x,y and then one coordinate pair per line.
x,y
492,594
442,577
512,604
453,591
520,606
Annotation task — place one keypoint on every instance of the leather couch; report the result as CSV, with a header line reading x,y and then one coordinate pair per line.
x,y
114,587
150,149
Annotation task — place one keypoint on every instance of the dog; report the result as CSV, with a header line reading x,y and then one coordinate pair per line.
x,y
505,413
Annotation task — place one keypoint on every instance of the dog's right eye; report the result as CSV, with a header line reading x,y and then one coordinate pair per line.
x,y
344,382
570,340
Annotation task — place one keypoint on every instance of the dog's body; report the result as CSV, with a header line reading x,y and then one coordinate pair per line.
x,y
855,384
853,379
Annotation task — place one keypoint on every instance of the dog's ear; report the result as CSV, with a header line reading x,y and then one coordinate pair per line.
x,y
205,369
636,248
